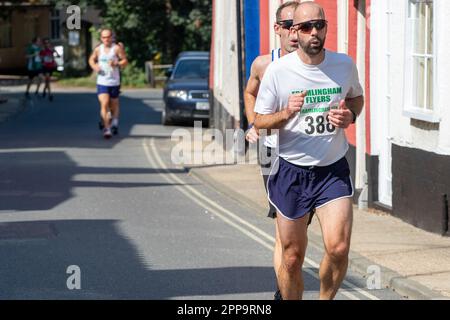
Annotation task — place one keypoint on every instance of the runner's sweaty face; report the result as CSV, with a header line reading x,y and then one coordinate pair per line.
x,y
311,42
106,37
288,40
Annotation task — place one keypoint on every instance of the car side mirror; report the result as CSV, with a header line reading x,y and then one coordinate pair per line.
x,y
169,72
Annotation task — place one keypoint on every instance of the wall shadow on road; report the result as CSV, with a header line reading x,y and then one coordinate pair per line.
x,y
71,121
35,256
41,180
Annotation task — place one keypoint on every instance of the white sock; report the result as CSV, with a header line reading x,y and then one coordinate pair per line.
x,y
115,122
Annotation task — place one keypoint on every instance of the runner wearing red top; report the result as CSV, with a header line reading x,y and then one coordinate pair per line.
x,y
48,66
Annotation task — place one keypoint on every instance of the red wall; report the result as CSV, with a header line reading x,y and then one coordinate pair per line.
x,y
352,47
264,27
330,8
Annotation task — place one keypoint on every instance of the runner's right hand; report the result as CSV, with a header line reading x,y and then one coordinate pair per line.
x,y
252,135
295,104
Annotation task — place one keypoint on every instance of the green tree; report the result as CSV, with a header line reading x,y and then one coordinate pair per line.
x,y
147,27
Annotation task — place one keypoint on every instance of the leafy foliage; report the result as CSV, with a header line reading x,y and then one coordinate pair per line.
x,y
155,27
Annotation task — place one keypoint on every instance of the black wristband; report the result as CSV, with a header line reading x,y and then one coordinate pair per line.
x,y
250,125
354,116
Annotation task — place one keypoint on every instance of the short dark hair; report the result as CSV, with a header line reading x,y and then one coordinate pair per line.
x,y
293,4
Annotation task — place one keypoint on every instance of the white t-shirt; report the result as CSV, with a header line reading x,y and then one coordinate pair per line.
x,y
308,139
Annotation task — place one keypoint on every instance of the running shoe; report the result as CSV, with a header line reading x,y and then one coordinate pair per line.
x,y
277,295
107,133
115,130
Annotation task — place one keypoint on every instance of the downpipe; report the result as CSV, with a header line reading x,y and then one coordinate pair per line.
x,y
363,199
444,215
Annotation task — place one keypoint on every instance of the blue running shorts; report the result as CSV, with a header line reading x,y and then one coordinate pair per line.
x,y
297,190
113,91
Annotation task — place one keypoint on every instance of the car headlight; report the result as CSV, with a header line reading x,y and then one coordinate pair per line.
x,y
180,94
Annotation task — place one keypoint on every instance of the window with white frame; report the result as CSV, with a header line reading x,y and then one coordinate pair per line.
x,y
420,60
55,24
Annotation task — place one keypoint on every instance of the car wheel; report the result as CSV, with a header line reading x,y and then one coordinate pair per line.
x,y
165,120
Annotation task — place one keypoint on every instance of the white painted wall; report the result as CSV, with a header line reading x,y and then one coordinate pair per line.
x,y
443,79
360,174
381,95
342,20
226,75
403,132
388,82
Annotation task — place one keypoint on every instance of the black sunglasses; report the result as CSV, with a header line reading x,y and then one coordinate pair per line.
x,y
306,27
286,24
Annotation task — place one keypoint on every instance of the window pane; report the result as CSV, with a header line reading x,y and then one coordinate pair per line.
x,y
421,18
419,28
55,29
55,13
413,13
421,14
430,85
430,28
419,82
192,69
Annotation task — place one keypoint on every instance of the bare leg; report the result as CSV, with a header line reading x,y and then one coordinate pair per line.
x,y
47,84
39,78
104,108
336,220
114,105
44,92
278,251
277,258
293,241
30,81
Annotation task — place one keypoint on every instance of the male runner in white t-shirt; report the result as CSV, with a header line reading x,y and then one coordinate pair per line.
x,y
311,96
106,59
289,43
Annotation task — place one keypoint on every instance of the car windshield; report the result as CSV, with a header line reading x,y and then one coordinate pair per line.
x,y
192,69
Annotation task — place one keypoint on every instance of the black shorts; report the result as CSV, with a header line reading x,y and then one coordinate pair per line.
x,y
33,73
48,71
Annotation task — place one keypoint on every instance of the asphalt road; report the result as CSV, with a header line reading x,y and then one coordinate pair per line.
x,y
134,225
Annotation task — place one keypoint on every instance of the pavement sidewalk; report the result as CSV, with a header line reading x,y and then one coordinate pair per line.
x,y
413,262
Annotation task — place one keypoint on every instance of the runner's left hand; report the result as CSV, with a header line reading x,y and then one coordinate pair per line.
x,y
341,117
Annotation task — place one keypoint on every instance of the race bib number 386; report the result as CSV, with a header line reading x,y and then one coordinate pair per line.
x,y
313,116
314,121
